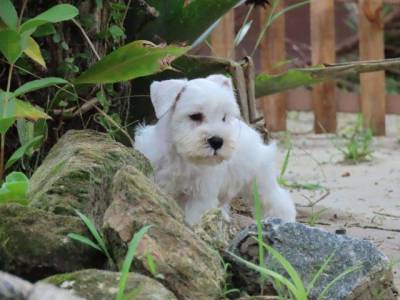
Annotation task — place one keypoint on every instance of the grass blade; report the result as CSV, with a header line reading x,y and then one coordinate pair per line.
x,y
258,217
318,274
134,243
92,228
290,286
289,269
343,274
285,163
84,240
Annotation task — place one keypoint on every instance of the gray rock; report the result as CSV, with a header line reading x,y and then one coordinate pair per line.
x,y
191,269
103,285
307,248
34,243
14,288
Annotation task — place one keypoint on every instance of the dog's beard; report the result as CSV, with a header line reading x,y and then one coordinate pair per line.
x,y
201,153
206,160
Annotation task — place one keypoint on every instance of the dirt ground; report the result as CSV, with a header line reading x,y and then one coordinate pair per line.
x,y
363,199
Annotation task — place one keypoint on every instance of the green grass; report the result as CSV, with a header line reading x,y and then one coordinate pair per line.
x,y
357,146
100,245
294,185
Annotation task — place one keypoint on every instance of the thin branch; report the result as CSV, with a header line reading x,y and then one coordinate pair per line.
x,y
87,38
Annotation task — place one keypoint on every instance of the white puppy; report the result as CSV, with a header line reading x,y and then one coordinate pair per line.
x,y
203,154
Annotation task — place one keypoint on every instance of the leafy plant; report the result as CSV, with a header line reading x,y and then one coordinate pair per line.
x,y
136,59
16,39
100,245
358,142
14,189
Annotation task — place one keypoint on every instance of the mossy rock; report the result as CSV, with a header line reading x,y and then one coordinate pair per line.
x,y
103,285
77,171
34,243
190,268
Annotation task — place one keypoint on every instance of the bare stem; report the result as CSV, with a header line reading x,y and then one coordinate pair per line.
x,y
3,136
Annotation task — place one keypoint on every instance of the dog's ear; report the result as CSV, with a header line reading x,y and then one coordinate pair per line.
x,y
165,93
221,80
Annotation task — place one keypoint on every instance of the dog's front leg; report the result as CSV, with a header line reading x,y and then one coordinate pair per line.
x,y
275,201
196,207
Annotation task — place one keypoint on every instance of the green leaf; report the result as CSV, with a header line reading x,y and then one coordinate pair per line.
x,y
44,30
126,266
55,14
38,84
25,110
32,50
10,45
136,59
15,189
7,114
84,240
24,149
8,14
179,23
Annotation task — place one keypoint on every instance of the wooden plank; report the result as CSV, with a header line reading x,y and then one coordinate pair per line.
x,y
223,36
348,102
322,16
371,46
273,52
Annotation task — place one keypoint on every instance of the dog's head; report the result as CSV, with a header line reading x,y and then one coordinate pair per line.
x,y
202,116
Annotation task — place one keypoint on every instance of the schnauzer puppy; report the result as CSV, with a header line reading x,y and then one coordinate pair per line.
x,y
203,154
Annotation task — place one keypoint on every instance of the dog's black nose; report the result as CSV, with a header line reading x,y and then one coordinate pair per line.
x,y
215,142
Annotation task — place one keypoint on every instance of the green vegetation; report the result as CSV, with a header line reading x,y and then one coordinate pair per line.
x,y
100,245
294,185
358,140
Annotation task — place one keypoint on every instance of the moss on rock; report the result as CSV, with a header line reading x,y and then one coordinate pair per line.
x,y
34,243
103,285
77,171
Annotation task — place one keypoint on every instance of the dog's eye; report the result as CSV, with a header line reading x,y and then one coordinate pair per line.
x,y
224,118
196,117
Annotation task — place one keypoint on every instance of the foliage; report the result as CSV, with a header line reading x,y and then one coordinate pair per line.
x,y
136,59
100,245
358,142
14,189
178,22
15,39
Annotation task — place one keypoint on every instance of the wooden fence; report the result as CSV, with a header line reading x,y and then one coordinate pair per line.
x,y
325,100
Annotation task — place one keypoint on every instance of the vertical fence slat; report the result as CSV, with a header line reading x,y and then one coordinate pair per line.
x,y
322,15
273,52
371,35
223,36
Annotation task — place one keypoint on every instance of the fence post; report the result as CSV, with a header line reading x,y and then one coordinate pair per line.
x,y
273,54
371,46
223,36
322,13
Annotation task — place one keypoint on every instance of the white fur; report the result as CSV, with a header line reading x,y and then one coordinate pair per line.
x,y
189,169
